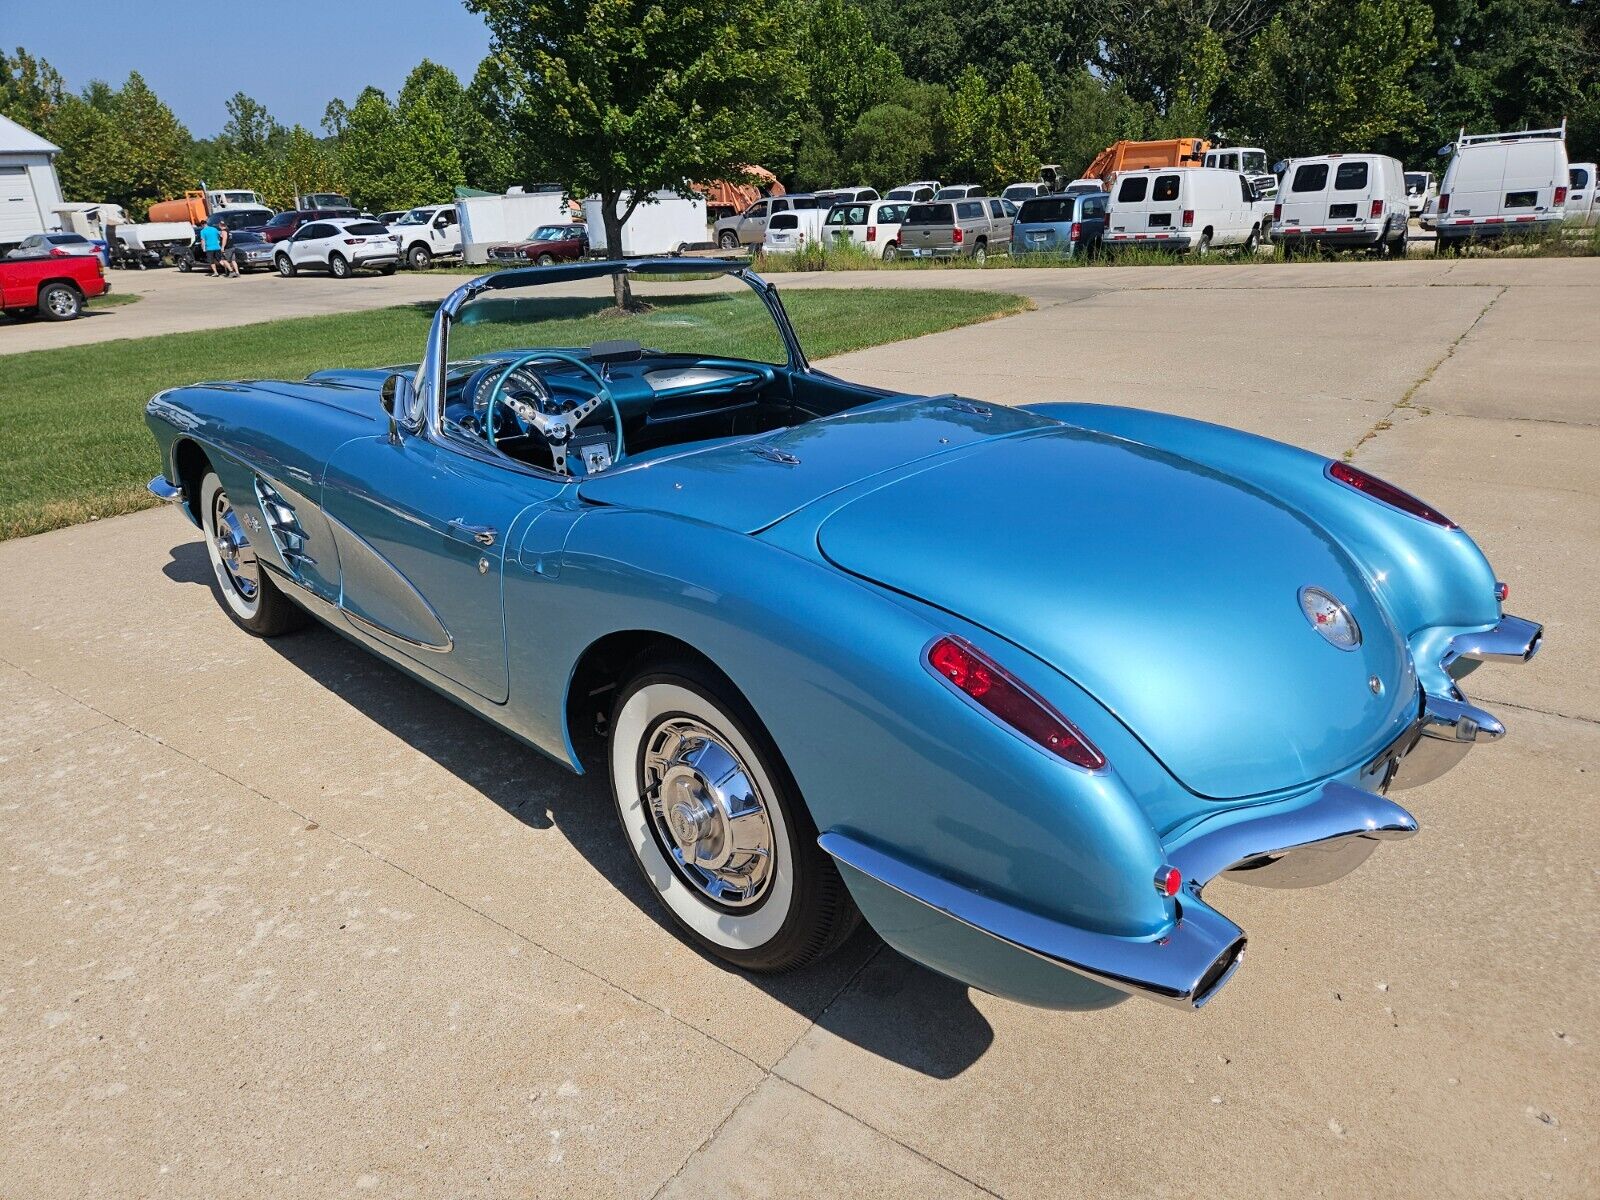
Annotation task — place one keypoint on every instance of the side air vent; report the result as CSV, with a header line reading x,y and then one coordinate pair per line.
x,y
287,535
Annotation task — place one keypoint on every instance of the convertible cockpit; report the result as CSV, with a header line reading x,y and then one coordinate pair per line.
x,y
526,377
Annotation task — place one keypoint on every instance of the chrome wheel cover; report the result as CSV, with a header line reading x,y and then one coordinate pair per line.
x,y
235,559
62,302
707,813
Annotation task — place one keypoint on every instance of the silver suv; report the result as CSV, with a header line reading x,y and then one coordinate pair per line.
x,y
749,228
972,228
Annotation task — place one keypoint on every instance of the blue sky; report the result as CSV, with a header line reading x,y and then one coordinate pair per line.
x,y
292,55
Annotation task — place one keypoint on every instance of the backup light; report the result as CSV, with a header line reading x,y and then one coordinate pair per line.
x,y
1387,493
1010,702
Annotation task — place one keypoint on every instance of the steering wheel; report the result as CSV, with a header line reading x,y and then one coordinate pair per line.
x,y
556,428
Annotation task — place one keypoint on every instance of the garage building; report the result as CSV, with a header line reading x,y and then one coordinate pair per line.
x,y
29,189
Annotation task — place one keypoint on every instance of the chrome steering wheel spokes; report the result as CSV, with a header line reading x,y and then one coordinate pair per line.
x,y
236,559
556,428
708,813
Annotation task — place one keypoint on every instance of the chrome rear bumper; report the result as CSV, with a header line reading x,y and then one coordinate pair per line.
x,y
1314,842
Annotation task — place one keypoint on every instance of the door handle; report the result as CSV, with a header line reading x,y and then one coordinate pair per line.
x,y
483,535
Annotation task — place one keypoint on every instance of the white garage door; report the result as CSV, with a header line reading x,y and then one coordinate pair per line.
x,y
18,215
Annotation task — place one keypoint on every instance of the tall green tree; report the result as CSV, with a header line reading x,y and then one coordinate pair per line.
x,y
628,97
377,159
1335,75
888,144
122,145
31,90
968,120
1022,128
250,128
434,164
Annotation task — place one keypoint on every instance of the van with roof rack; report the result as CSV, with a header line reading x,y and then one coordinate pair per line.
x,y
1503,183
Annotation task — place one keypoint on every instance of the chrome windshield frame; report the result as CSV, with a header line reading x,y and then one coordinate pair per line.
x,y
429,380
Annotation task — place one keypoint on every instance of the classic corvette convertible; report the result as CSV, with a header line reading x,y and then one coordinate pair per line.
x,y
1014,684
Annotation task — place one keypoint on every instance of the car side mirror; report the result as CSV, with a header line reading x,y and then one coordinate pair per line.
x,y
1279,167
1444,151
399,401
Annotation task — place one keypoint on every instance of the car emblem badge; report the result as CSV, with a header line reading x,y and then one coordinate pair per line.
x,y
1330,618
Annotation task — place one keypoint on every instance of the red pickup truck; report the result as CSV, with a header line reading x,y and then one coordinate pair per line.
x,y
55,288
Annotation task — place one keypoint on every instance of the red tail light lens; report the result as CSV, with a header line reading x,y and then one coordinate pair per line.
x,y
872,233
58,252
1561,196
1377,208
1378,489
1444,204
1502,591
1075,232
1168,880
1188,217
1010,702
956,235
1277,212
354,241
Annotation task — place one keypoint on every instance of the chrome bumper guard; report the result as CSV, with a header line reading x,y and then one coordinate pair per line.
x,y
1316,842
164,491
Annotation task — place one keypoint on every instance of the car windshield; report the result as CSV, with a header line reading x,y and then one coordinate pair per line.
x,y
417,216
901,194
1048,208
552,233
365,229
66,239
1020,191
1254,162
930,214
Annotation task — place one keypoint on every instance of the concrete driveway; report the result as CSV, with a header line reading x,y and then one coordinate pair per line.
x,y
275,920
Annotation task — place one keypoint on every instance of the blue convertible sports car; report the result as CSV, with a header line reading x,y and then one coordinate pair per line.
x,y
1012,684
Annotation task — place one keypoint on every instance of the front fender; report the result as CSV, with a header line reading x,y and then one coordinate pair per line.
x,y
881,749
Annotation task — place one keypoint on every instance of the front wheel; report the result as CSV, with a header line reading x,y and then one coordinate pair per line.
x,y
247,594
338,266
419,257
286,266
728,240
60,302
546,259
716,824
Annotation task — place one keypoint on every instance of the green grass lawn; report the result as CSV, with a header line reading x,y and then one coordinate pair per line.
x,y
73,443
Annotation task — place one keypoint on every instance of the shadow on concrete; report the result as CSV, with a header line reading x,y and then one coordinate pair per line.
x,y
866,993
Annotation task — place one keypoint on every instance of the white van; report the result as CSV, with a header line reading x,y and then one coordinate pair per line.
x,y
1419,190
1500,183
1343,200
793,230
1581,207
873,225
1185,208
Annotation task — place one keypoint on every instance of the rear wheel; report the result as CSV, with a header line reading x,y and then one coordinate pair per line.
x,y
247,594
419,257
1203,247
1401,244
1251,243
891,251
186,264
286,266
338,266
980,252
60,302
717,826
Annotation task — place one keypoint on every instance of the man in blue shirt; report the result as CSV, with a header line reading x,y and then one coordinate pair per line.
x,y
211,243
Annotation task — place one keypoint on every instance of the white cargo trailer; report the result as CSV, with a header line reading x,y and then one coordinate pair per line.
x,y
490,220
666,223
29,189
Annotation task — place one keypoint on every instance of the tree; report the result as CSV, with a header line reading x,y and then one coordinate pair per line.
x,y
251,129
1021,131
123,146
1189,100
1335,75
335,116
846,71
967,119
31,90
887,145
629,97
491,160
378,158
432,164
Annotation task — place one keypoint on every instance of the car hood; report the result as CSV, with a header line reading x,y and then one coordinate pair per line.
x,y
1169,591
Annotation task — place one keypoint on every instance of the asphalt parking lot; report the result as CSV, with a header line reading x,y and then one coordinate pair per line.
x,y
275,920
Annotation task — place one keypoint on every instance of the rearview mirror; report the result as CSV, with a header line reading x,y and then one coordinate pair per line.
x,y
399,401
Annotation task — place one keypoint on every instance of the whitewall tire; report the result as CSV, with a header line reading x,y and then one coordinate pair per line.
x,y
716,824
245,590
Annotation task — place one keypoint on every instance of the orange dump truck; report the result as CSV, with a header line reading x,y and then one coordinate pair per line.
x,y
727,198
192,208
1135,156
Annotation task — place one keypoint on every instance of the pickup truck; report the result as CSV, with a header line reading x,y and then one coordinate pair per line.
x,y
55,288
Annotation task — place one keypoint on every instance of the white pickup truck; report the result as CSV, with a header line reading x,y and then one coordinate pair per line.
x,y
427,233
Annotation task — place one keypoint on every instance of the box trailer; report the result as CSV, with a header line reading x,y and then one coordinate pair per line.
x,y
491,220
665,223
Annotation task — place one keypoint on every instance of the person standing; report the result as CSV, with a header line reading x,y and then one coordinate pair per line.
x,y
230,254
211,244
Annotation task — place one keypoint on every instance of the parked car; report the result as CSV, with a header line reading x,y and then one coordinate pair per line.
x,y
251,250
749,228
287,224
54,287
1250,161
55,245
974,228
827,199
1343,201
1085,185
339,246
728,583
1184,209
919,192
960,191
874,225
1069,225
1581,208
1503,183
1019,192
390,217
545,245
794,230
1419,188
426,233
